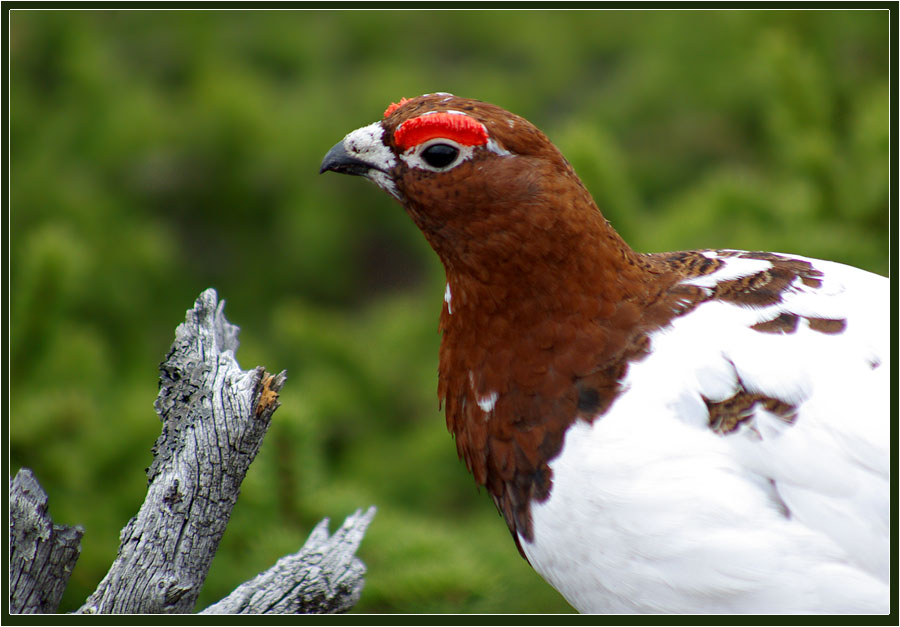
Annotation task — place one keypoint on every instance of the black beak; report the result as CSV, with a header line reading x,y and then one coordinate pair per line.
x,y
338,160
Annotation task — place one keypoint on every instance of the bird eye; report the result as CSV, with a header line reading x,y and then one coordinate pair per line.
x,y
440,155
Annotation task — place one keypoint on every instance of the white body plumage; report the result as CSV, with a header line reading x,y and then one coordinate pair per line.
x,y
653,511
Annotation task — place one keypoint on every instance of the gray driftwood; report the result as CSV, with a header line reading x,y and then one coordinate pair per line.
x,y
214,419
331,576
41,554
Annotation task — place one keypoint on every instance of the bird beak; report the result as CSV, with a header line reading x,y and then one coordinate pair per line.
x,y
363,153
360,152
339,160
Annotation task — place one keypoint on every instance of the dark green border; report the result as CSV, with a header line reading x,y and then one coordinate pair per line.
x,y
454,619
895,278
458,4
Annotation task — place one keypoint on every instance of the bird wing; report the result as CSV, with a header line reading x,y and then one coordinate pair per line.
x,y
800,389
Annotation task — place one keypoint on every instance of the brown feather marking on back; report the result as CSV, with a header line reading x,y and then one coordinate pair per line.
x,y
727,415
827,325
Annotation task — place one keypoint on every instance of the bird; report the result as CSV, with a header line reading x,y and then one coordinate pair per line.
x,y
702,431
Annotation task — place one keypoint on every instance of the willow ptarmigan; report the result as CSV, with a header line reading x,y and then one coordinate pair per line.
x,y
701,431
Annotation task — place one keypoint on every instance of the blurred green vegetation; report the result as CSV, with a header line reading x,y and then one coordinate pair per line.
x,y
156,153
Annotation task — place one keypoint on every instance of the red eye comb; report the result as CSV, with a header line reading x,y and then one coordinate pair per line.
x,y
456,126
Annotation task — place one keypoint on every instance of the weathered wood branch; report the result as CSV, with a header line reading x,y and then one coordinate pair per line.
x,y
214,419
324,576
41,554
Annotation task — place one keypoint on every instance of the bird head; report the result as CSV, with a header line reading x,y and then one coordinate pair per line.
x,y
484,185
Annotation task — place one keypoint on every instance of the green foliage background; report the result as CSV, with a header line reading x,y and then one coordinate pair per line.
x,y
154,154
